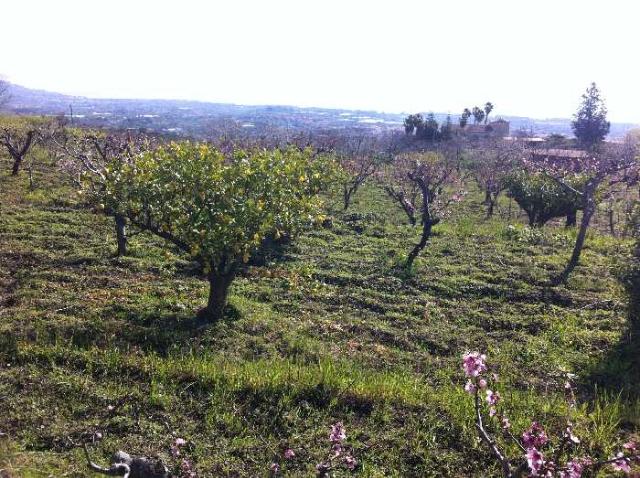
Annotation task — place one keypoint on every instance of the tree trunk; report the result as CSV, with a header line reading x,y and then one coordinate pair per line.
x,y
587,214
411,217
218,291
572,219
121,234
491,204
347,193
409,210
612,225
18,154
426,234
17,161
487,196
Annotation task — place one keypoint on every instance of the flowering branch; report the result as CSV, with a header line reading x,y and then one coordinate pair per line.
x,y
534,439
504,462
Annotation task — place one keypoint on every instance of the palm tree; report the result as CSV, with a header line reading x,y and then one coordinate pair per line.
x,y
464,118
488,108
478,115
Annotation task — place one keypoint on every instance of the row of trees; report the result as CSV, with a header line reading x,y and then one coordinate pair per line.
x,y
479,114
219,205
223,204
428,129
544,187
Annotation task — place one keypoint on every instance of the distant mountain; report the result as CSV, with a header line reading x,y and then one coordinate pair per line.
x,y
199,119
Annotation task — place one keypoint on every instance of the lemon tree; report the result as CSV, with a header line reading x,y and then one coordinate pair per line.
x,y
223,208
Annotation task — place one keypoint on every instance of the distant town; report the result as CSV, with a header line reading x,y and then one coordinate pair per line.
x,y
194,119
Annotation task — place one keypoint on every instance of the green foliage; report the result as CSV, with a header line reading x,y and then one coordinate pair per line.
x,y
22,124
446,129
220,209
590,123
412,122
106,187
478,114
541,197
429,130
488,108
425,129
464,117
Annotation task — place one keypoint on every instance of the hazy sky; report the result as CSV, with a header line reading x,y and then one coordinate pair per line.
x,y
532,58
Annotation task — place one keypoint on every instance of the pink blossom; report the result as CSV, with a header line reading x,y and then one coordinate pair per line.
x,y
350,462
573,469
535,460
186,469
338,433
534,437
482,383
470,387
336,449
110,408
97,435
631,446
289,454
622,464
492,397
275,468
506,424
180,442
473,364
549,469
175,451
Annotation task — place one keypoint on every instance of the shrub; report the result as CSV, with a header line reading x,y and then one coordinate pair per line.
x,y
222,209
541,197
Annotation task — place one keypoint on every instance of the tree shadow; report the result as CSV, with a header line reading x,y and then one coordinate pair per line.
x,y
154,331
619,370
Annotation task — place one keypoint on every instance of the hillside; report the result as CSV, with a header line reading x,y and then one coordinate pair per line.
x,y
107,350
198,119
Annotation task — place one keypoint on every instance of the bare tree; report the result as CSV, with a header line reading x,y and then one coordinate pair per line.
x,y
360,158
431,173
492,161
607,165
89,157
18,135
404,193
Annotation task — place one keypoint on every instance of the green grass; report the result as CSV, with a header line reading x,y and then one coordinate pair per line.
x,y
332,332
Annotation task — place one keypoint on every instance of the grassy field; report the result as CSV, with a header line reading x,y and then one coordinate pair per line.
x,y
334,332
